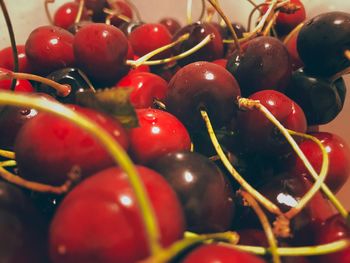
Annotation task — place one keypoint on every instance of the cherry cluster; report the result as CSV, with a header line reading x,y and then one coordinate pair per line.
x,y
126,141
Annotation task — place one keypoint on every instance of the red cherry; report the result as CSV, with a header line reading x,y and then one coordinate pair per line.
x,y
149,37
47,147
158,133
66,14
221,62
122,8
22,85
99,221
146,87
339,159
49,48
6,59
293,51
214,253
101,51
171,24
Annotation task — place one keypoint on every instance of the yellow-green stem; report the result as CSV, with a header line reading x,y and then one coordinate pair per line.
x,y
9,163
189,11
115,150
7,154
243,183
80,11
294,31
270,24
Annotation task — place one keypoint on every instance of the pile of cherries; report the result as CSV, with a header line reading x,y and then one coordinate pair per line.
x,y
73,204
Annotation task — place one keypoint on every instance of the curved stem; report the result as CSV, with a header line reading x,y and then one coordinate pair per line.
x,y
201,16
201,44
115,150
265,224
9,163
244,184
270,24
294,31
114,13
7,154
80,11
189,11
12,39
135,9
47,11
250,17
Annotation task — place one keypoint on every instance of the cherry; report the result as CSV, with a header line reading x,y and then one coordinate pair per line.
x,y
148,37
205,194
122,8
211,253
264,64
48,147
22,85
198,31
6,59
74,28
221,62
145,88
49,48
101,51
339,159
258,134
151,139
322,42
128,27
321,99
114,226
96,6
202,85
172,24
66,14
291,45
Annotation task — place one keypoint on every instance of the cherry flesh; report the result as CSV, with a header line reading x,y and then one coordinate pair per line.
x,y
114,221
6,59
66,14
151,140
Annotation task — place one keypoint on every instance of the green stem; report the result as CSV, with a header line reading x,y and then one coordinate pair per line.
x,y
7,154
9,163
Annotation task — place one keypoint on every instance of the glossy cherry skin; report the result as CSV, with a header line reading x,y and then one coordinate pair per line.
x,y
158,133
293,51
114,226
198,31
258,134
145,88
49,48
205,194
22,85
202,85
214,253
148,37
264,64
320,98
101,51
322,42
171,23
96,6
74,28
338,154
122,8
66,14
6,59
221,62
47,147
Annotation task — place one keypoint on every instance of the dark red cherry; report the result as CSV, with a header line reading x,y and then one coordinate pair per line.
x,y
205,194
66,14
96,6
158,133
103,209
49,48
6,59
148,37
171,23
22,85
322,42
74,28
198,31
320,98
221,62
339,159
264,64
202,85
215,253
48,147
145,88
121,8
293,51
101,51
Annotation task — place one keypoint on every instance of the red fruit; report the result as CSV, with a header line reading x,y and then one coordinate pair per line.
x,y
149,37
49,48
171,24
66,14
221,62
339,159
293,52
146,87
158,133
122,8
101,51
22,85
6,59
47,147
215,253
99,221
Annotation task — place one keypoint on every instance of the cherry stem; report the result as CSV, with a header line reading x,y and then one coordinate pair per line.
x,y
228,24
254,104
135,9
340,74
201,44
189,11
265,224
114,13
270,24
293,32
333,199
7,154
80,11
201,16
34,186
252,3
244,184
47,11
319,250
116,151
9,163
347,54
63,90
250,17
166,255
12,39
